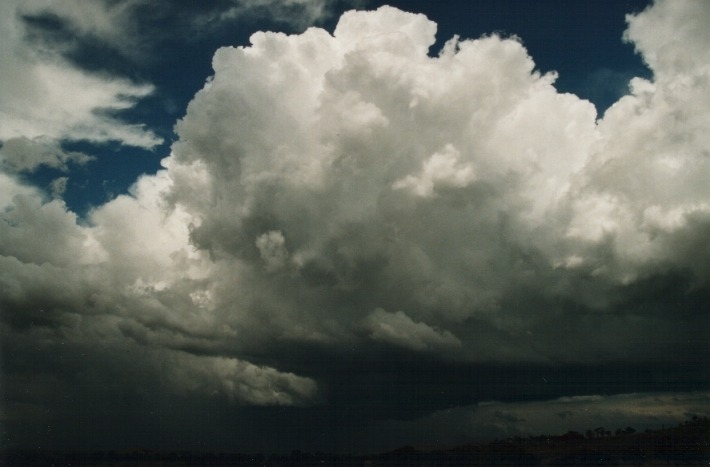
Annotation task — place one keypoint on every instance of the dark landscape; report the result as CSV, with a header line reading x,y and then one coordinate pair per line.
x,y
687,444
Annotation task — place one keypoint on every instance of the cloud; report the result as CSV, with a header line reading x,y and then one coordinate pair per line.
x,y
642,184
43,95
386,180
489,420
668,48
320,180
108,285
272,249
616,411
239,381
109,21
38,232
137,29
23,154
299,13
58,186
441,169
398,329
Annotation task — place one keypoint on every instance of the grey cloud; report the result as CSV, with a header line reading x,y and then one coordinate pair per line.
x,y
399,329
58,186
272,249
298,13
491,420
89,286
641,411
24,154
240,381
40,233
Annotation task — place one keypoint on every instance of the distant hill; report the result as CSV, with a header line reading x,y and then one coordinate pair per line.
x,y
685,445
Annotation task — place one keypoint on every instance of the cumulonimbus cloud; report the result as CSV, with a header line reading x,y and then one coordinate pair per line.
x,y
320,179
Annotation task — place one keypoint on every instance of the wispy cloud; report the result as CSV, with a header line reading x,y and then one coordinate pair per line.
x,y
43,95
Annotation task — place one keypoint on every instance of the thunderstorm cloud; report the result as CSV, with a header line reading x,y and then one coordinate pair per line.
x,y
354,198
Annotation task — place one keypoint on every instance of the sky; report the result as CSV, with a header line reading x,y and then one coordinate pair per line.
x,y
349,226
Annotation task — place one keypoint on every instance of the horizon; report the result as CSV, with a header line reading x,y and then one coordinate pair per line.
x,y
680,443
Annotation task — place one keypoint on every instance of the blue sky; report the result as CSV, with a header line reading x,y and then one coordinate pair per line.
x,y
351,225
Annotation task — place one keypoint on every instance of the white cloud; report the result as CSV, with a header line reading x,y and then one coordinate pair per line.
x,y
42,95
386,31
441,169
369,128
670,35
646,171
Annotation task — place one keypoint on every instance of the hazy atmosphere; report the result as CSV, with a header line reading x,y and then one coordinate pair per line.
x,y
348,226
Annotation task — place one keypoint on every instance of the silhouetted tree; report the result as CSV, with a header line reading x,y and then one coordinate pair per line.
x,y
571,436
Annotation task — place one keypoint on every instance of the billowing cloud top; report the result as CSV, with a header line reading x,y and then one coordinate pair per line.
x,y
353,195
